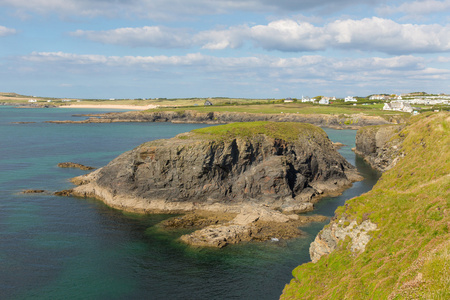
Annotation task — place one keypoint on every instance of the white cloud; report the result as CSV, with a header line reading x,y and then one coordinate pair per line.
x,y
4,31
370,34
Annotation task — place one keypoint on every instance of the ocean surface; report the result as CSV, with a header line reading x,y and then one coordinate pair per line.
x,y
70,248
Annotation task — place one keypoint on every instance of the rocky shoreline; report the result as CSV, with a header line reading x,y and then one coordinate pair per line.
x,y
342,121
259,174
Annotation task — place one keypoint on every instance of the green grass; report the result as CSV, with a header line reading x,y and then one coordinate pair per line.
x,y
408,256
287,131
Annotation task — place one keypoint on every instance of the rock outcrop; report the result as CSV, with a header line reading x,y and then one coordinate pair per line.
x,y
354,121
378,147
253,223
327,240
75,165
285,166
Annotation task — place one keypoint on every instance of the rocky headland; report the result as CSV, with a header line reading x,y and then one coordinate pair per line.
x,y
342,121
259,172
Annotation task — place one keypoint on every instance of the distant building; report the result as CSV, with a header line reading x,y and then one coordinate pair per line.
x,y
288,100
324,101
350,99
32,100
398,106
307,99
207,102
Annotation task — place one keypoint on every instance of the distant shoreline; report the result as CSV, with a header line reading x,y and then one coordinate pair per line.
x,y
110,106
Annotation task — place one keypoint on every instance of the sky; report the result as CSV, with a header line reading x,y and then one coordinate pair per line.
x,y
223,48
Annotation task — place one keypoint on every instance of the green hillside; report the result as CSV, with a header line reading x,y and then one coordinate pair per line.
x,y
408,256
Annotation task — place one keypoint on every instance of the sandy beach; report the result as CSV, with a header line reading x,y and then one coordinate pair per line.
x,y
110,106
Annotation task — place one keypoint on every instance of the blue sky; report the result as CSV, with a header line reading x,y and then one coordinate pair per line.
x,y
232,48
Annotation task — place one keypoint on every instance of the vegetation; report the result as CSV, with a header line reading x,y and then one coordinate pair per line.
x,y
287,131
408,256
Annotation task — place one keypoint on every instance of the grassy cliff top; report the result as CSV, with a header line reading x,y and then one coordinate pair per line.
x,y
408,256
288,131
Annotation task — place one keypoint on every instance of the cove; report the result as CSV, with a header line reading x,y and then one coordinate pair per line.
x,y
74,248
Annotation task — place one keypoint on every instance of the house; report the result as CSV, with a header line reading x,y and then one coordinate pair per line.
x,y
32,100
350,99
307,99
324,100
288,100
398,106
207,102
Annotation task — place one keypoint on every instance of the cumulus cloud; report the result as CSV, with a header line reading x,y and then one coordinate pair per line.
x,y
369,34
4,31
169,8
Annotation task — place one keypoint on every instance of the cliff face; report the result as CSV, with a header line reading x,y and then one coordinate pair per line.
x,y
190,116
377,146
392,242
204,170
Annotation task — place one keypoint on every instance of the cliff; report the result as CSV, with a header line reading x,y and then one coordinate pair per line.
x,y
281,165
378,146
284,167
354,121
392,242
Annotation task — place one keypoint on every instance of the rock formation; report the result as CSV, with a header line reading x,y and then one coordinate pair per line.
x,y
202,168
75,165
376,145
354,121
278,166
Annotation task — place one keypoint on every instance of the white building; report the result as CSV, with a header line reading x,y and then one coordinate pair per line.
x,y
306,99
32,100
324,100
350,99
398,106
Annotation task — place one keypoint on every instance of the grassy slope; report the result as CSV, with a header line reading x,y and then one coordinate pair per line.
x,y
287,131
409,256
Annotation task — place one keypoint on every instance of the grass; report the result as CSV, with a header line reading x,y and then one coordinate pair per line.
x,y
287,131
408,256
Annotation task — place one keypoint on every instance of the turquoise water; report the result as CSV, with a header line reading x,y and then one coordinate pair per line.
x,y
70,248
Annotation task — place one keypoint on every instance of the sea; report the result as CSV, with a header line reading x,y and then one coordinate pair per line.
x,y
73,248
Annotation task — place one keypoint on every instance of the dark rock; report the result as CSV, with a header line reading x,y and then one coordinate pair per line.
x,y
74,165
190,171
33,191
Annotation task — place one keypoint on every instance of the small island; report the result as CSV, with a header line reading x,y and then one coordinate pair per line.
x,y
258,172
